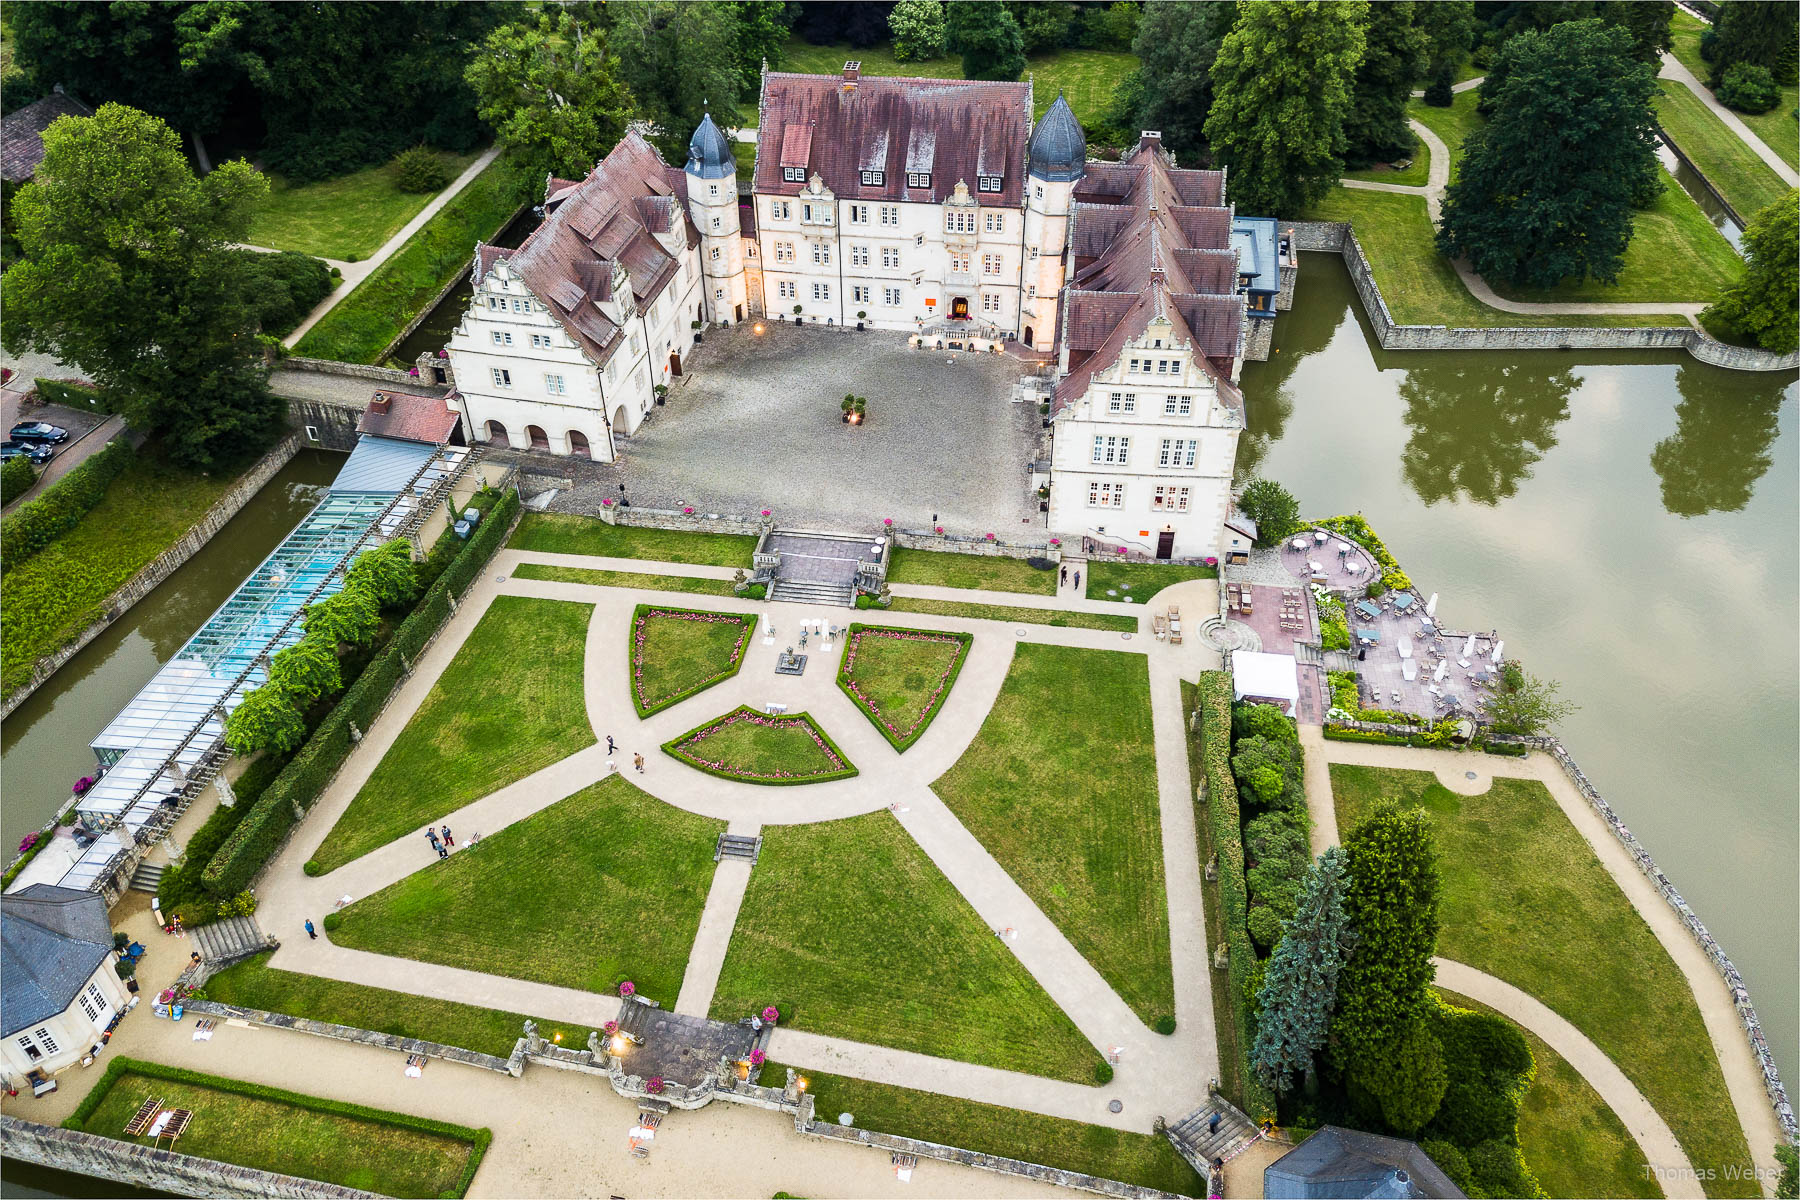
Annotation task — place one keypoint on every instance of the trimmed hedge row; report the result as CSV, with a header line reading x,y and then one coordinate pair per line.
x,y
16,478
70,394
260,833
1357,530
1214,700
63,504
479,1139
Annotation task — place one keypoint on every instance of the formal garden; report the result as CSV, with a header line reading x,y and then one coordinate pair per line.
x,y
753,747
900,677
679,652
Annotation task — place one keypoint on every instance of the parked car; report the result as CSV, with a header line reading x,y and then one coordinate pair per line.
x,y
32,450
39,431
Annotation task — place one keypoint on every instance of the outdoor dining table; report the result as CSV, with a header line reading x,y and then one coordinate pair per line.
x,y
1299,543
1366,610
1319,537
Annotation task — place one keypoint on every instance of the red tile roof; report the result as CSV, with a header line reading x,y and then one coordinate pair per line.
x,y
954,129
409,417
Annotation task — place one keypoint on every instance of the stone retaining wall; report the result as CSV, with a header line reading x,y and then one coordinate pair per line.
x,y
161,567
1340,238
335,424
346,1033
925,539
326,366
669,518
150,1168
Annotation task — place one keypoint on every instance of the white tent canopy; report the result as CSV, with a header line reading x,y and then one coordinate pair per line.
x,y
1264,675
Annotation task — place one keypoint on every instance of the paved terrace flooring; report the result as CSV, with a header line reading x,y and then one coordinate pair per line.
x,y
1157,1075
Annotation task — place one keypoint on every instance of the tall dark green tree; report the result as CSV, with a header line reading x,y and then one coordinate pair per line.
x,y
1395,54
1448,26
548,87
1548,185
1763,32
1172,90
1646,20
1299,987
1045,24
678,60
1761,306
128,272
762,36
1724,427
1282,90
988,38
1392,899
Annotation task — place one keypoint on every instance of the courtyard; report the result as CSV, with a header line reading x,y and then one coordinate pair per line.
x,y
756,422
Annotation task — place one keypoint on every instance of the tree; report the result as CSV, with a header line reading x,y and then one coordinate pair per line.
x,y
265,719
1172,90
1761,305
678,60
762,37
1272,507
1448,25
1546,188
385,574
1748,87
1395,55
1647,21
349,617
1269,771
306,670
987,37
1045,24
862,23
1300,985
1109,27
128,271
1392,900
1404,1079
918,29
1720,447
549,89
1764,32
1525,704
1281,94
1440,93
1788,1158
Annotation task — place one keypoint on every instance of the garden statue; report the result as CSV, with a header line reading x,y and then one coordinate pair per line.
x,y
533,1044
594,1052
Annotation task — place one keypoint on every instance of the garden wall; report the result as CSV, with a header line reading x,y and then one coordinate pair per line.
x,y
325,366
162,566
1339,237
146,1167
925,539
335,424
669,518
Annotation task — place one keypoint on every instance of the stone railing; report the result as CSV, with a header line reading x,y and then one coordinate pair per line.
x,y
669,518
160,567
326,366
926,539
150,1168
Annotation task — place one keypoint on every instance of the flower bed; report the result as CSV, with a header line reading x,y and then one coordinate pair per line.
x,y
656,682
900,726
783,741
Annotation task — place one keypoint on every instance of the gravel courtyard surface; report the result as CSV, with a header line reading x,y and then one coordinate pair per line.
x,y
758,426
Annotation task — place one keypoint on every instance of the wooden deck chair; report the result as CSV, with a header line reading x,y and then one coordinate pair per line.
x,y
145,1114
178,1123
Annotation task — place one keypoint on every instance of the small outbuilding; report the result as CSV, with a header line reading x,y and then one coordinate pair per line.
x,y
1347,1164
409,417
22,133
58,989
1269,678
1238,539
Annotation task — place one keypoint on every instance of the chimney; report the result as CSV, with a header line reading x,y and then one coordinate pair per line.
x,y
1150,139
852,72
380,403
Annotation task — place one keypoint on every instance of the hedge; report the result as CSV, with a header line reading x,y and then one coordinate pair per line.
x,y
895,740
62,504
70,394
479,1139
643,610
16,478
1357,530
1214,699
262,830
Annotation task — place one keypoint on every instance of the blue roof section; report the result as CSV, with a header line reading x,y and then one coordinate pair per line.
x,y
381,464
51,941
1258,247
709,152
1058,148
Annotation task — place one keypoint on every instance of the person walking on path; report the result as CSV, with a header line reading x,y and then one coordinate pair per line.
x,y
448,840
431,836
1078,581
638,761
1063,576
1212,1123
611,746
310,931
443,851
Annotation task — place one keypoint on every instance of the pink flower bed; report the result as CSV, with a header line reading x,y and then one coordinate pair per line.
x,y
685,747
937,693
640,633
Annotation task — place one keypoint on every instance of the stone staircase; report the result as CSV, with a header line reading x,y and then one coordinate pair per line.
x,y
799,591
1308,654
228,940
737,845
1340,660
147,878
1200,1144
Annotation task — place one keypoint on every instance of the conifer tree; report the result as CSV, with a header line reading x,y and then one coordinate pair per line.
x,y
1300,986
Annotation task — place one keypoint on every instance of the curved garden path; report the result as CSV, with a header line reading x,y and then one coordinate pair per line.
x,y
1157,1075
1743,1076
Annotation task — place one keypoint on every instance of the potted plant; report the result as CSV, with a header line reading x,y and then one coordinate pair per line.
x,y
662,392
796,314
861,316
848,406
695,326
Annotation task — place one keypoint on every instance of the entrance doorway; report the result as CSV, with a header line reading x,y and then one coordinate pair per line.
x,y
539,439
959,308
578,444
674,363
1165,543
739,310
496,432
1028,335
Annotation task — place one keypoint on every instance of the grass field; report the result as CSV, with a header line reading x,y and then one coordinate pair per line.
x,y
508,704
286,1133
1420,285
624,579
1778,128
1747,182
1139,581
559,533
253,984
48,599
603,886
1144,1159
851,931
347,218
1019,616
899,678
990,572
1416,175
682,652
1452,124
360,327
1060,787
750,746
1574,1143
1562,931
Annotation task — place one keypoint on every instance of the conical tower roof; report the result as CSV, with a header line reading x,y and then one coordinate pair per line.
x,y
709,152
1058,148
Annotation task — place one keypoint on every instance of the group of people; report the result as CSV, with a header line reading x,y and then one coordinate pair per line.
x,y
612,748
444,846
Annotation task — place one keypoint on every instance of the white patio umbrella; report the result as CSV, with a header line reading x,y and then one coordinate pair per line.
x,y
1405,647
1498,646
1431,606
1443,665
1469,646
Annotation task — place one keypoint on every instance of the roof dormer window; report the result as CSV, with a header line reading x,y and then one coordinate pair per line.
x,y
987,183
918,179
874,178
793,174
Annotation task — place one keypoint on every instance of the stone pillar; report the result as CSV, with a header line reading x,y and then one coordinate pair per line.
x,y
227,798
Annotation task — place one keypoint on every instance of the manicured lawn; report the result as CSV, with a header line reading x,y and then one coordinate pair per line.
x,y
676,652
1747,181
1144,1159
1416,175
851,931
756,748
604,886
1137,581
1060,786
560,533
1420,285
1777,127
1525,899
994,573
624,579
1574,1143
1020,616
509,703
1452,124
347,218
292,1134
48,599
363,323
253,984
899,678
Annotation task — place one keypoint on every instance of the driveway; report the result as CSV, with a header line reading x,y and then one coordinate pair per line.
x,y
88,433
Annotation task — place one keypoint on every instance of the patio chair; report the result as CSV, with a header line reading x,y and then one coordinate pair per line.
x,y
140,1120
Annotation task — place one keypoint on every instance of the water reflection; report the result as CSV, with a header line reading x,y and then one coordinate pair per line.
x,y
1720,446
1478,427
